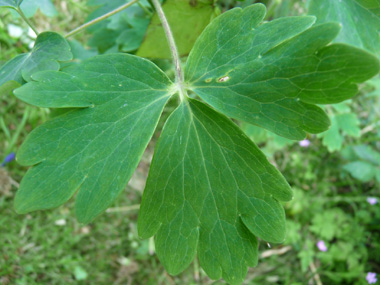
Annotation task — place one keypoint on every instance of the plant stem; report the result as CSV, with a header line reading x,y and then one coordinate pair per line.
x,y
145,9
27,20
19,129
101,18
173,48
123,209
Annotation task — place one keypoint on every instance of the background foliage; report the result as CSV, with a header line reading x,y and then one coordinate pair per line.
x,y
333,224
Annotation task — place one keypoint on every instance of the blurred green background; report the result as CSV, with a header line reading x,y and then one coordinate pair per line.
x,y
333,221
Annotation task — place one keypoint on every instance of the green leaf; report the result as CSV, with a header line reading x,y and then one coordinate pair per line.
x,y
10,3
332,138
130,39
349,124
378,175
269,142
30,7
80,273
367,153
258,135
96,147
361,170
187,20
49,48
346,123
125,29
210,191
80,52
343,107
324,224
306,256
8,87
272,74
103,7
360,20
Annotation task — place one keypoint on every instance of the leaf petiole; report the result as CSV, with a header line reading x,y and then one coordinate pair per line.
x,y
18,130
101,18
21,13
149,13
173,49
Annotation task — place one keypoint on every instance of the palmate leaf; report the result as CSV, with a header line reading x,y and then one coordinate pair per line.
x,y
95,148
273,74
210,190
360,20
49,49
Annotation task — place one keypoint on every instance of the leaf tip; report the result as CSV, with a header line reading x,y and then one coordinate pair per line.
x,y
257,10
312,19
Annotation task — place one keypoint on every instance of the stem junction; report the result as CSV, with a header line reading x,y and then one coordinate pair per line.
x,y
179,77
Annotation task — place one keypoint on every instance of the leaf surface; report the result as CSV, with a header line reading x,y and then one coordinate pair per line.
x,y
49,49
361,170
124,30
210,191
96,147
130,39
366,152
10,3
341,125
8,87
349,124
360,20
332,138
30,7
273,74
186,18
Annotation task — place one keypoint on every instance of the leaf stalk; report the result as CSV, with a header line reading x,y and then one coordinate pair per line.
x,y
179,77
21,13
101,18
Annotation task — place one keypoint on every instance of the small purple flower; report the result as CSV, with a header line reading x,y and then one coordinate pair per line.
x,y
304,143
372,200
371,278
321,245
8,158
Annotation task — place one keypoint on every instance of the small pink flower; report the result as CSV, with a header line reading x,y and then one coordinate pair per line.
x,y
372,200
371,278
321,245
304,143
